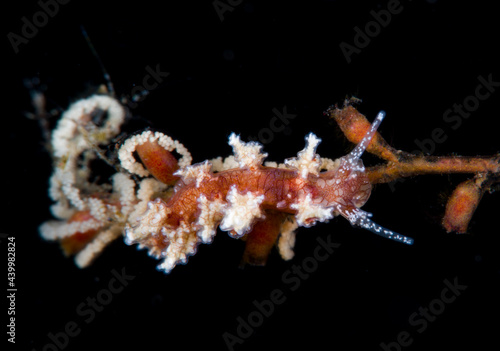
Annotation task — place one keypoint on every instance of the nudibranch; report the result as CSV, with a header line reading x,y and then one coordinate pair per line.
x,y
177,205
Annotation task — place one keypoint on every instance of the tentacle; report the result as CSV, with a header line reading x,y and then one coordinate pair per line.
x,y
363,144
352,161
362,219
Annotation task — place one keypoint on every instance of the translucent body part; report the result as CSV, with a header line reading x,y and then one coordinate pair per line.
x,y
362,219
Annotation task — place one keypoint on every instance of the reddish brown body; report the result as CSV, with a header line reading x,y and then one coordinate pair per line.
x,y
281,188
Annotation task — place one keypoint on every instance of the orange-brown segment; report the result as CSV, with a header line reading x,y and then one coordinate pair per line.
x,y
76,242
262,238
461,206
355,126
159,162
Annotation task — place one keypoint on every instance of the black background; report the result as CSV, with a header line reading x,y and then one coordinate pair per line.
x,y
228,76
